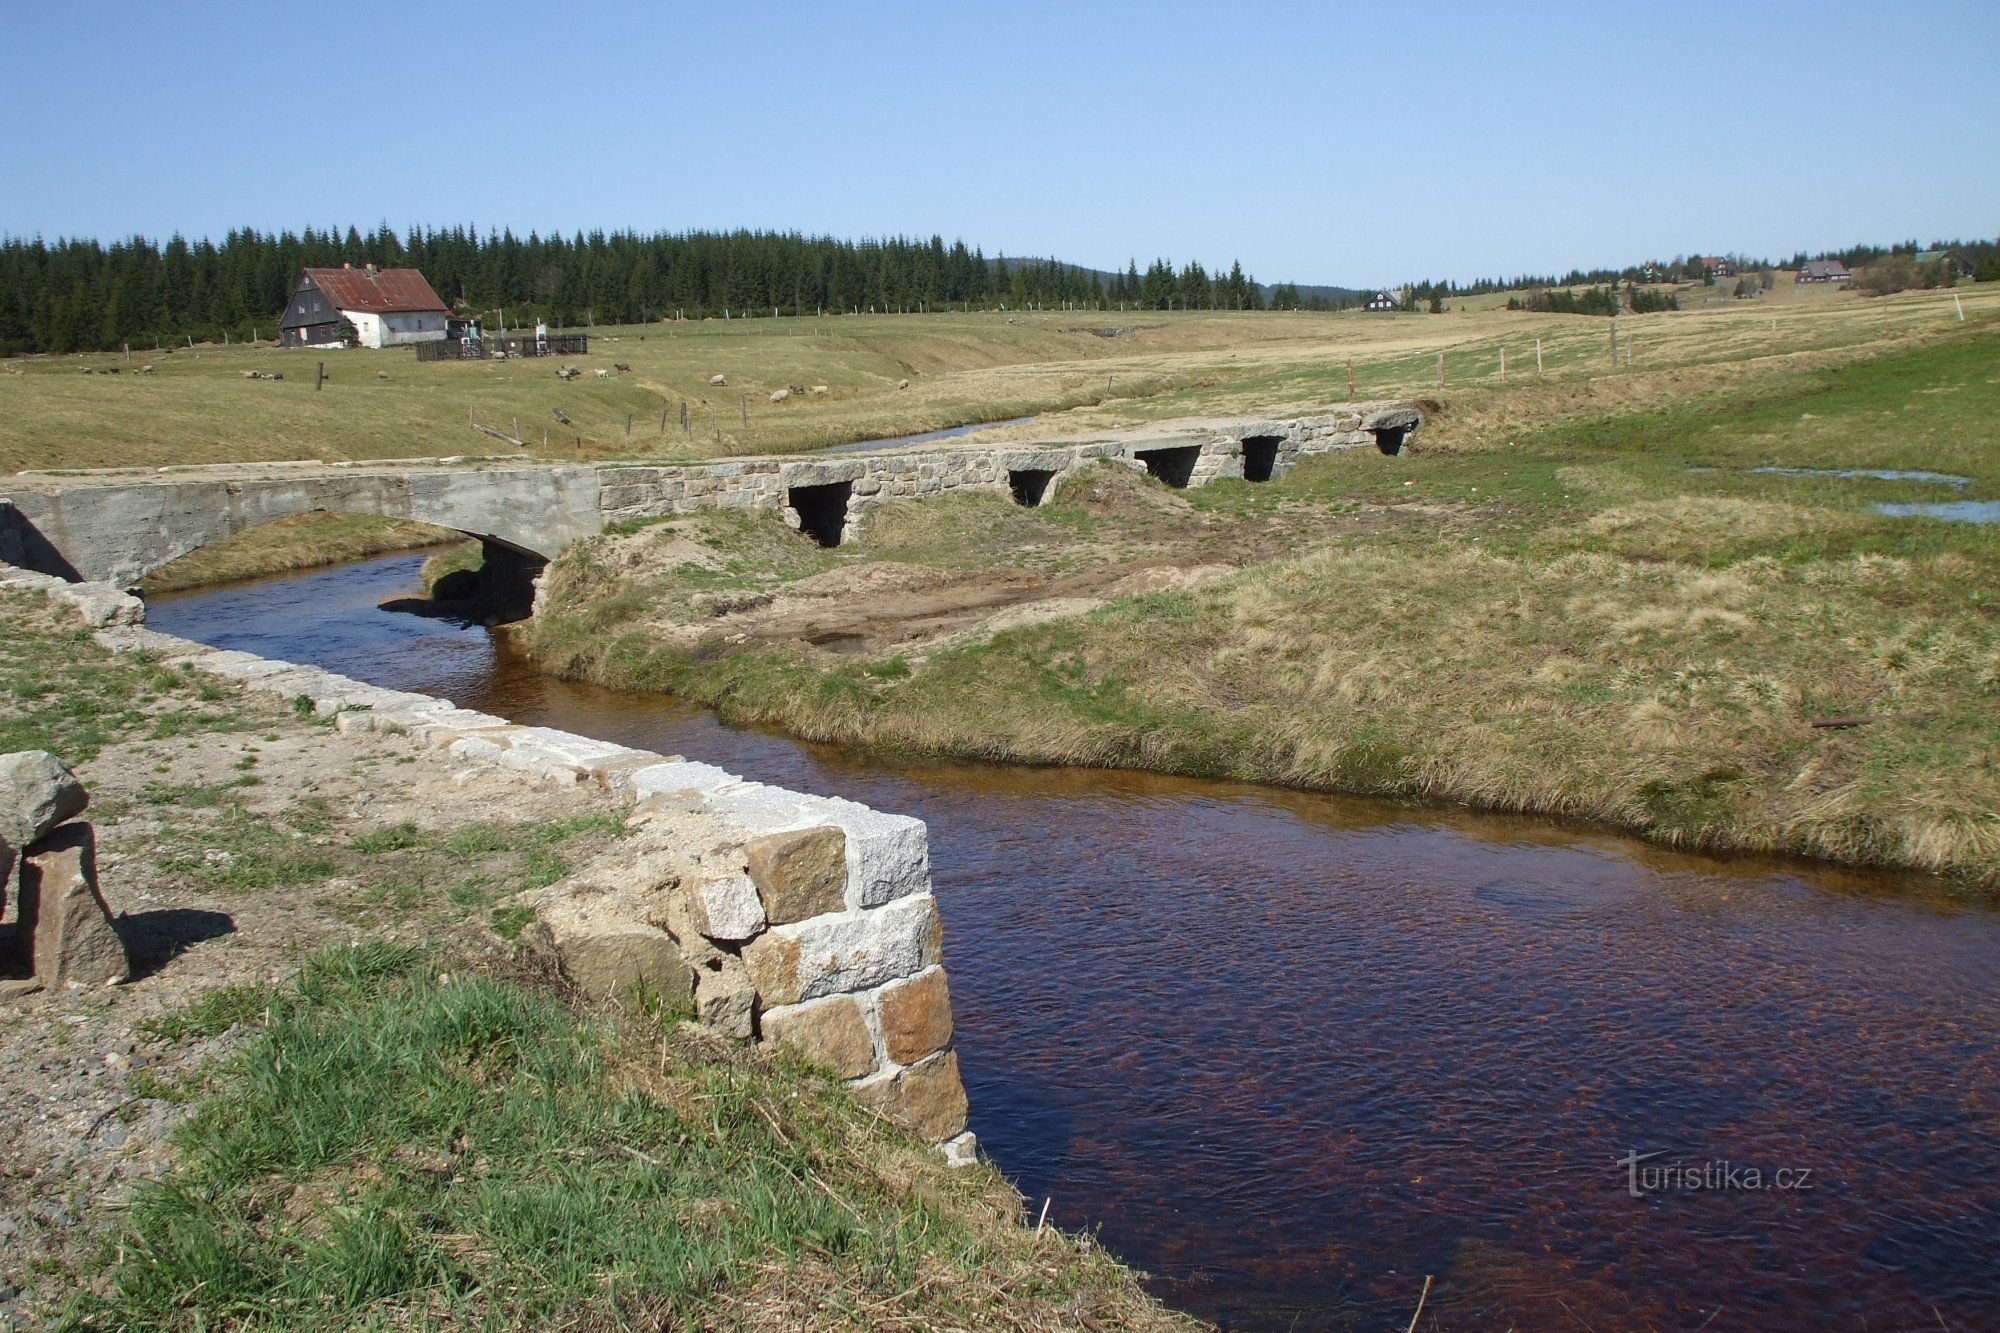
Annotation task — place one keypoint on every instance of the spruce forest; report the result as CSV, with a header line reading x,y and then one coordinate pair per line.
x,y
84,295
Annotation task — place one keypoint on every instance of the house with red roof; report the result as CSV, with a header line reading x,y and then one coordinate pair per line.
x,y
386,306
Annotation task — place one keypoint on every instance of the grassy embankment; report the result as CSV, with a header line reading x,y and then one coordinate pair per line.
x,y
1574,598
403,1135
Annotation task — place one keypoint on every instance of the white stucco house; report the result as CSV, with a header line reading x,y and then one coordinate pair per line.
x,y
386,306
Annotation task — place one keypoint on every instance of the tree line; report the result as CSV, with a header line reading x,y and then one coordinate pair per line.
x,y
83,295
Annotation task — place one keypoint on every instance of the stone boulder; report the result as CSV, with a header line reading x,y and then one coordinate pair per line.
x,y
63,918
37,792
609,956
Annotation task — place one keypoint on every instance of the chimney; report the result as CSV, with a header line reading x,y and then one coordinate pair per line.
x,y
371,268
346,265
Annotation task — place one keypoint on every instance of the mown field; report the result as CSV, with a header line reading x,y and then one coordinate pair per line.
x,y
1574,596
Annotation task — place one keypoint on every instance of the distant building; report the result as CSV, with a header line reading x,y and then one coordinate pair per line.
x,y
386,306
1717,266
1958,262
1384,300
1823,270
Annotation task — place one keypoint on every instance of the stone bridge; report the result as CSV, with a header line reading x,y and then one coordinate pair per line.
x,y
118,526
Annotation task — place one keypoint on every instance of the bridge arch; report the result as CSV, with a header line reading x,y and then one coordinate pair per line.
x,y
120,531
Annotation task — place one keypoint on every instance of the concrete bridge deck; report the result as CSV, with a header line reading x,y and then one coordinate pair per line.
x,y
118,525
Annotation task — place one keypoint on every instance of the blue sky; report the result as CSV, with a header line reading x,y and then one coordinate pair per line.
x,y
1344,143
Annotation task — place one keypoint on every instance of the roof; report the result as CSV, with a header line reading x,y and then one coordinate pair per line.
x,y
1937,256
373,291
1822,267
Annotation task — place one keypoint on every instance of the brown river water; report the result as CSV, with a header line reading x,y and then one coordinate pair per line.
x,y
1290,1054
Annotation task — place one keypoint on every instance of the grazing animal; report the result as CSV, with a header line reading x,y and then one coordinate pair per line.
x,y
820,388
780,395
718,379
622,368
560,417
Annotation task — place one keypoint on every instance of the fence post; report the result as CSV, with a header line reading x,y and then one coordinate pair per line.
x,y
1538,356
743,408
1440,370
1350,376
1503,365
321,378
628,428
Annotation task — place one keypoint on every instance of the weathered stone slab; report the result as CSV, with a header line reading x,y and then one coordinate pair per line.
x,y
829,1032
37,792
916,1016
71,939
608,956
799,874
888,856
928,1099
852,951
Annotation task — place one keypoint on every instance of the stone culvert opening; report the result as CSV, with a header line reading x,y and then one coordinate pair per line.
x,y
822,510
1260,457
1029,485
1173,466
1389,439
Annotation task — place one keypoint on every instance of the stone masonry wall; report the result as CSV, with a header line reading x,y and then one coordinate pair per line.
x,y
801,921
641,491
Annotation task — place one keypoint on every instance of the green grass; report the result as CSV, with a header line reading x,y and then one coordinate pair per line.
x,y
61,692
400,1143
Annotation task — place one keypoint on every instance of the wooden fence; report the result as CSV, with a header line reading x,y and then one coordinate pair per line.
x,y
465,349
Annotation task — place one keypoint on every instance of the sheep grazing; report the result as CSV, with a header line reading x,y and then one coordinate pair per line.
x,y
622,368
718,379
558,413
902,384
820,388
780,395
568,373
603,374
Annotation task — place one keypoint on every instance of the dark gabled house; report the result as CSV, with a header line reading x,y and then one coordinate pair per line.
x,y
1384,300
1958,263
1823,270
386,306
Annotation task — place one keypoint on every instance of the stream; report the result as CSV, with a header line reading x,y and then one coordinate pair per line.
x,y
1291,1054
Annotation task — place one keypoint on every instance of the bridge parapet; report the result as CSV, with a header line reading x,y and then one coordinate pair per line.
x,y
120,526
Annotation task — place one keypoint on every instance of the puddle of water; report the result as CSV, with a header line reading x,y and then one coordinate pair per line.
x,y
1951,511
1867,473
898,441
1291,1053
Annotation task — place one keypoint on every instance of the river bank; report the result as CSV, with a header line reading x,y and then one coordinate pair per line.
x,y
1617,619
284,883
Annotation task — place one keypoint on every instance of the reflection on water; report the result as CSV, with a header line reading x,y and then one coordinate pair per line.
x,y
1870,474
1292,1053
1951,511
